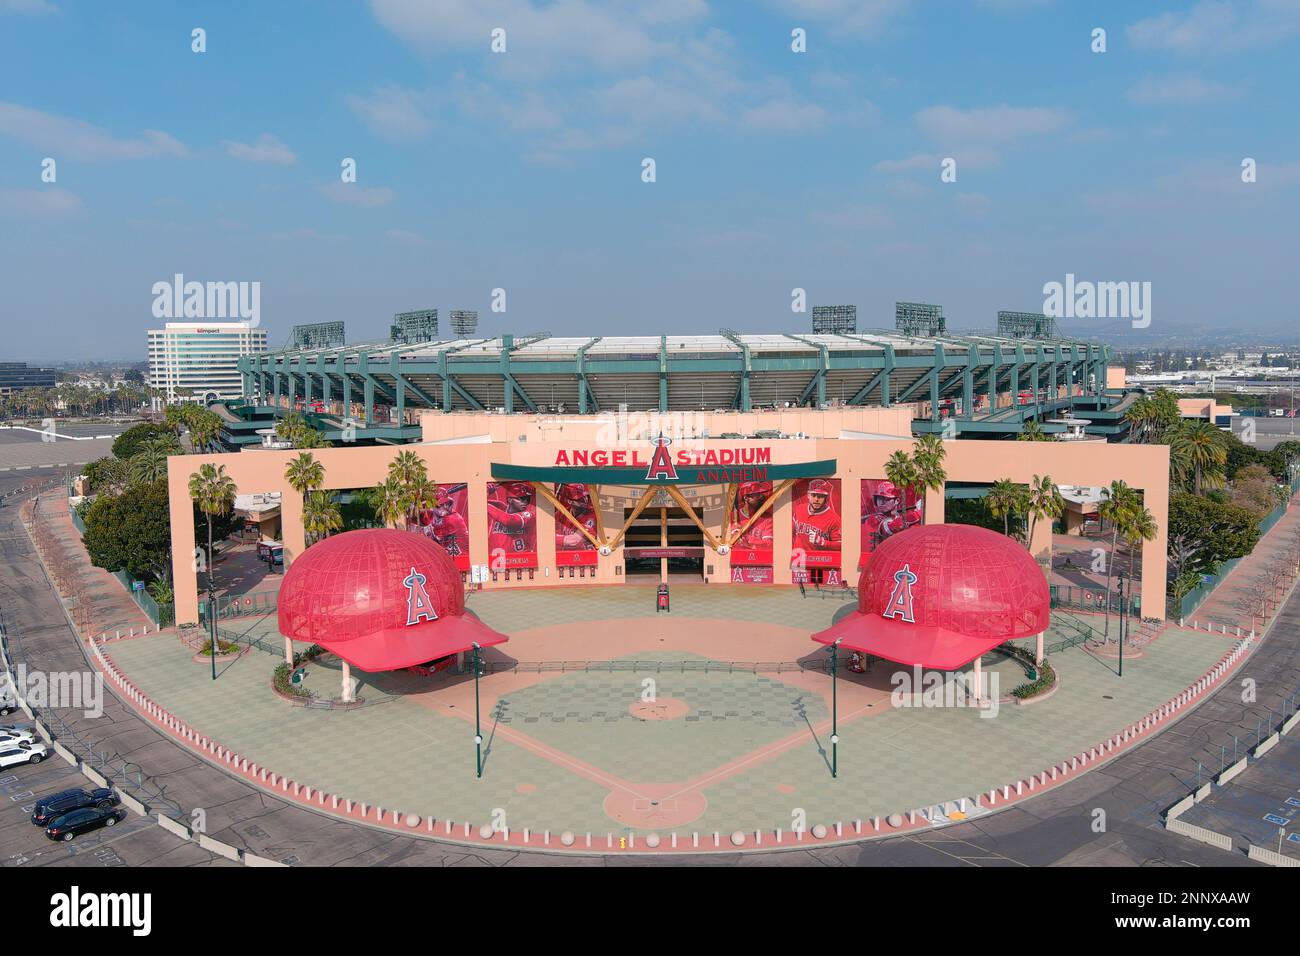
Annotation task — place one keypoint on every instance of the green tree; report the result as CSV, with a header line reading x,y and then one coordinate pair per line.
x,y
130,531
304,473
128,443
320,515
213,492
928,456
149,463
901,470
1117,504
107,475
1033,431
1198,451
1004,499
1045,502
389,501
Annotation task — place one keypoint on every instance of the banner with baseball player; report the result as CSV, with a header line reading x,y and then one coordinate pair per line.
x,y
572,547
817,530
754,547
751,555
887,510
447,522
512,525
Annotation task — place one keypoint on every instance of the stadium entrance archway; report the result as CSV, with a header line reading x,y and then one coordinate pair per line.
x,y
665,542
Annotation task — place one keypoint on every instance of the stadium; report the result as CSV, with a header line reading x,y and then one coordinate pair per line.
x,y
708,517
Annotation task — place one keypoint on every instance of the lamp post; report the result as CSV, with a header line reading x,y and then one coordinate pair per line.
x,y
1121,624
478,728
835,709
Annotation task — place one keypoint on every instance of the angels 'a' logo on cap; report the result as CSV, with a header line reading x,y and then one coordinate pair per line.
x,y
661,463
900,600
418,605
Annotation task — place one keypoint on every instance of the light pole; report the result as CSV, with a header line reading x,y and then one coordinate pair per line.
x,y
478,728
1121,624
835,709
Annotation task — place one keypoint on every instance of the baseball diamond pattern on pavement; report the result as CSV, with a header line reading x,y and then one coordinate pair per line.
x,y
558,744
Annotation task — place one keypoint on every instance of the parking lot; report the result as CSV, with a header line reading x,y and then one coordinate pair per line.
x,y
135,841
24,450
1253,807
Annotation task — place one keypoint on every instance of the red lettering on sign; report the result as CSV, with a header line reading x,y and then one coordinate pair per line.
x,y
562,457
763,456
579,458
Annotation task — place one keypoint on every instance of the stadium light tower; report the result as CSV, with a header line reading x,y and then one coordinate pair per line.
x,y
464,323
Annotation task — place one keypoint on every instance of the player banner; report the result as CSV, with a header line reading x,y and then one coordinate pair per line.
x,y
447,522
887,510
754,547
817,532
512,525
572,547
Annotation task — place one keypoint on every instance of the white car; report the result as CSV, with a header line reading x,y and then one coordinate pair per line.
x,y
28,753
11,735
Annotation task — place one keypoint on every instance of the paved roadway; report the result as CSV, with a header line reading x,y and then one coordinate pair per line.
x,y
22,451
1055,828
1269,432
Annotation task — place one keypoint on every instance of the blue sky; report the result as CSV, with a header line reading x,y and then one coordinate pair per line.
x,y
522,170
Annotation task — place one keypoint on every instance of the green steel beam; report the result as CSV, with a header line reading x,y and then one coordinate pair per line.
x,y
742,400
818,381
663,373
586,394
881,378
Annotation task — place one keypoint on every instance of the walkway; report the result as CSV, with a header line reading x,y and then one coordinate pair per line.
x,y
95,599
1260,579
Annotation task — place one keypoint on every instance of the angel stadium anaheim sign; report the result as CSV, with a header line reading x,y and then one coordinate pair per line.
x,y
662,466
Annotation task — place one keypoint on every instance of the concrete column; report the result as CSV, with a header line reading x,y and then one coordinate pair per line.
x,y
288,651
663,543
1038,649
976,673
347,683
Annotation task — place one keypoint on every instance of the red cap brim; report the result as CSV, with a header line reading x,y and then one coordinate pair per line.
x,y
408,645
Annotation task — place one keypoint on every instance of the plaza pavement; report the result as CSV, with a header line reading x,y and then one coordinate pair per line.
x,y
1055,827
403,751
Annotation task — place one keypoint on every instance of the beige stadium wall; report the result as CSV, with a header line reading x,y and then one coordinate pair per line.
x,y
1144,467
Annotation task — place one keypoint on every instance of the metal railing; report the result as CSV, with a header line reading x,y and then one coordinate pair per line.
x,y
239,605
1092,599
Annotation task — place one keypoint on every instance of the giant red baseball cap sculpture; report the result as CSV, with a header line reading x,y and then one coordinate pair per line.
x,y
380,599
940,595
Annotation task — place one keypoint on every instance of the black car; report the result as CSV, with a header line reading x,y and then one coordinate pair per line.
x,y
65,801
83,821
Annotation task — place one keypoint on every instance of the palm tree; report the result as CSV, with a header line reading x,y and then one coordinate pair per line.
x,y
149,463
174,418
406,467
389,501
304,473
204,426
1005,498
1033,431
901,470
421,495
1136,526
1118,502
320,515
928,455
1045,501
214,492
1198,449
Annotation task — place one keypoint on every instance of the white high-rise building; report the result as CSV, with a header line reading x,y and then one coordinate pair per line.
x,y
202,357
